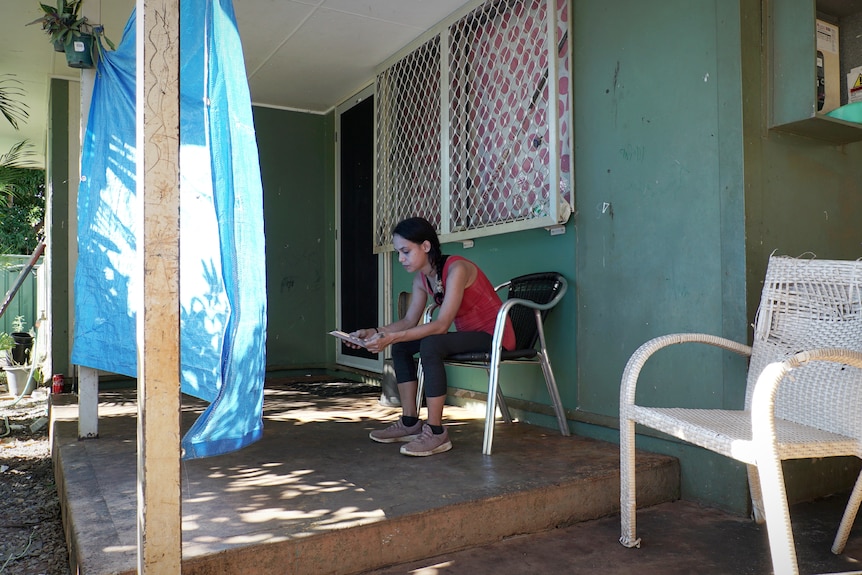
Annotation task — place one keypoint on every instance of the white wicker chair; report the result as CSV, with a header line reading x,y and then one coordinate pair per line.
x,y
803,397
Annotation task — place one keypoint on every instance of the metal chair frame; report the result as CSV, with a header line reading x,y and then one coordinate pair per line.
x,y
528,334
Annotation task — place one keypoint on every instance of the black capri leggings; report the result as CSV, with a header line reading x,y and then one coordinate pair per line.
x,y
432,350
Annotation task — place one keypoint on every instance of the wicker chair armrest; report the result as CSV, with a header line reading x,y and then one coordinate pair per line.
x,y
767,384
764,438
644,352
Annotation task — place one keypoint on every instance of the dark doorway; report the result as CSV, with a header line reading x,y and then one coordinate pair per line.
x,y
359,265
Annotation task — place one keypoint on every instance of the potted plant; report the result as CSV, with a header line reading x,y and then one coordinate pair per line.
x,y
18,380
17,374
59,22
6,345
23,342
72,33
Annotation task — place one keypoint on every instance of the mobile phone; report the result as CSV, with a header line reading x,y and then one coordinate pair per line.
x,y
821,82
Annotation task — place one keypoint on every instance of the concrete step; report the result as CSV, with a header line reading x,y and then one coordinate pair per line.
x,y
316,496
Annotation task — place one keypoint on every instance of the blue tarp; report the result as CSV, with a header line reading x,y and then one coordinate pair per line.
x,y
222,265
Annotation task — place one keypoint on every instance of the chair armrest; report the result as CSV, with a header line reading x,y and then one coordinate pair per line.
x,y
510,303
504,309
503,313
645,351
769,380
772,503
429,311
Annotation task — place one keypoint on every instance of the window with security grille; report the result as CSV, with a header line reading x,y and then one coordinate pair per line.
x,y
473,125
408,140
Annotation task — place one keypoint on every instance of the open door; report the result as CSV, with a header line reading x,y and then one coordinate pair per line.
x,y
359,269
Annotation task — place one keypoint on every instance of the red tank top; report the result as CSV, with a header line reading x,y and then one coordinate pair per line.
x,y
479,306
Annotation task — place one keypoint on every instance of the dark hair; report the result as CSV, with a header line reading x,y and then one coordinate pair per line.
x,y
418,230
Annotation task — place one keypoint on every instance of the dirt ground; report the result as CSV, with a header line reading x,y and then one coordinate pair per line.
x,y
31,530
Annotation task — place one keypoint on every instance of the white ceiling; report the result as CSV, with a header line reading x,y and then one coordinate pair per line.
x,y
308,55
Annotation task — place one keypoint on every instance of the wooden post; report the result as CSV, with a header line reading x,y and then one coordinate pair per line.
x,y
88,403
158,146
88,378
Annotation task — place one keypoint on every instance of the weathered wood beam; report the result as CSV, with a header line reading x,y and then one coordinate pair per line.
x,y
159,405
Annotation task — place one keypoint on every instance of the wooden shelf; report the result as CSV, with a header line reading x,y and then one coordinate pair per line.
x,y
822,127
792,55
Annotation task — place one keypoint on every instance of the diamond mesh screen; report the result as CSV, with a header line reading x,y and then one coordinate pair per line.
x,y
408,140
503,146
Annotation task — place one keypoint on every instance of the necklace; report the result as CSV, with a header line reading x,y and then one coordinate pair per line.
x,y
438,289
439,292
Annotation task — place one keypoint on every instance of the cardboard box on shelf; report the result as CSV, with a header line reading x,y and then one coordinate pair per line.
x,y
827,57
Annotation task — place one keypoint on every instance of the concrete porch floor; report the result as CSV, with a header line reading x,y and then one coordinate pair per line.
x,y
316,496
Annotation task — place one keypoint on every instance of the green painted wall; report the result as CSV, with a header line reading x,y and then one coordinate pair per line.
x,y
660,211
296,159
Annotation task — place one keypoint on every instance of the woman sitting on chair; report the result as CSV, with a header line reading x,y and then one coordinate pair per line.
x,y
464,296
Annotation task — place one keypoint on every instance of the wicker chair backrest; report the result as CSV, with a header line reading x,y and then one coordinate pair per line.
x,y
808,304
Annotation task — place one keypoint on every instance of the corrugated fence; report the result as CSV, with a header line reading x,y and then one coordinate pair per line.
x,y
25,301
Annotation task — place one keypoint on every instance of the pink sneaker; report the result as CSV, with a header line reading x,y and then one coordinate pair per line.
x,y
427,443
397,432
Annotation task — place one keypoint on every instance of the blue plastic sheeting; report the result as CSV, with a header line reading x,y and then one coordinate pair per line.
x,y
222,264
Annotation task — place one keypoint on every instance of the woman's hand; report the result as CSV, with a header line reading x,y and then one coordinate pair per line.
x,y
364,333
367,333
378,342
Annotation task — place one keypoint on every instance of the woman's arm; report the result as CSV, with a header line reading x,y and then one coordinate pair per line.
x,y
461,275
411,317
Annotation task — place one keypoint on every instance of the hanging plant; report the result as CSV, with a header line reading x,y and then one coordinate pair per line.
x,y
72,33
60,22
79,49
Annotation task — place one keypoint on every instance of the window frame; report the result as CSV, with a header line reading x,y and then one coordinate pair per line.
x,y
558,206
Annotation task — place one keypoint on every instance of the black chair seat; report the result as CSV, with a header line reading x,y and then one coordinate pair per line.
x,y
485,356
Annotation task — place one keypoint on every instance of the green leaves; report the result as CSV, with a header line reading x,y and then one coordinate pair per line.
x,y
15,168
22,196
11,105
22,184
62,21
6,341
